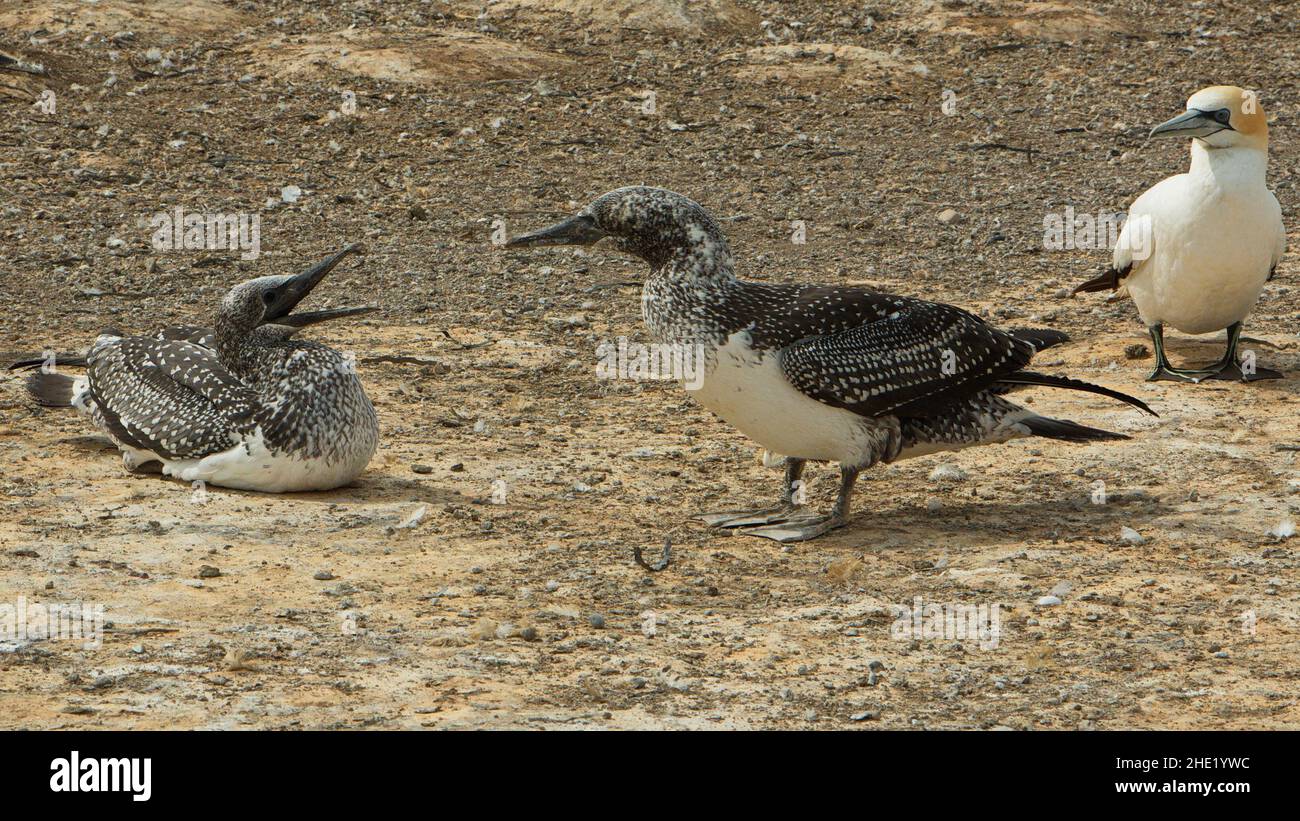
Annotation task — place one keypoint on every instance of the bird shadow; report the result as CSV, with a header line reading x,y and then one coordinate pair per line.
x,y
1193,353
976,523
365,490
88,443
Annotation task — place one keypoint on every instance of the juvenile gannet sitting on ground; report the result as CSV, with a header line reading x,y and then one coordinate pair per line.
x,y
826,373
243,405
1214,234
282,328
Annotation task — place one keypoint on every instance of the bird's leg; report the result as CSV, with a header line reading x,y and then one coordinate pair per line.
x,y
1165,371
1229,367
810,526
745,518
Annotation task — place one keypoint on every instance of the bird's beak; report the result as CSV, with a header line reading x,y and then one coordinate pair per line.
x,y
296,289
576,230
1191,123
305,318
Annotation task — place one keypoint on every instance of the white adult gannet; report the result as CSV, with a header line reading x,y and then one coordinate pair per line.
x,y
1214,235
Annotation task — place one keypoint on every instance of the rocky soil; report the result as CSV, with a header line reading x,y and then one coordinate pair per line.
x,y
481,572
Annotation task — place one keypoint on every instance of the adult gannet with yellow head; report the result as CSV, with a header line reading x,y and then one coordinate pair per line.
x,y
1211,237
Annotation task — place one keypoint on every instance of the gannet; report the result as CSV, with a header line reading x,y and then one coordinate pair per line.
x,y
819,372
241,405
1214,235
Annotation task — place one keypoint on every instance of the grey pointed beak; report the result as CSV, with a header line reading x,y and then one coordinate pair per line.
x,y
305,318
576,230
297,288
1191,123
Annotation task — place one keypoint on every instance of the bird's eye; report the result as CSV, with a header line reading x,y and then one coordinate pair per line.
x,y
268,297
1222,115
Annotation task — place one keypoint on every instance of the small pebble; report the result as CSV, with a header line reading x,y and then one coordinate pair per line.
x,y
237,659
948,472
1128,535
484,629
1284,529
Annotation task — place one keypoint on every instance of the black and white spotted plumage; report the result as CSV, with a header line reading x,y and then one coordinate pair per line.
x,y
904,362
173,399
818,372
242,404
916,375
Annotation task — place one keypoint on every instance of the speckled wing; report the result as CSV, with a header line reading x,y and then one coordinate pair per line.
x,y
911,362
188,333
321,384
172,398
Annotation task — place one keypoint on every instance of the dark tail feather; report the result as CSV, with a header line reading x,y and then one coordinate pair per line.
x,y
51,390
1040,338
1068,431
1029,378
1107,281
69,360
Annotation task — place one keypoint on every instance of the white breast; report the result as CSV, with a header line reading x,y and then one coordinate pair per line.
x,y
748,390
1212,252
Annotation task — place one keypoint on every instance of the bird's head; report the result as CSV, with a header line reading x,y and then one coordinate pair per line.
x,y
1220,117
269,301
654,224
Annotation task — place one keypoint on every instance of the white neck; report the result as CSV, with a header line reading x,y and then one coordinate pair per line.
x,y
1238,165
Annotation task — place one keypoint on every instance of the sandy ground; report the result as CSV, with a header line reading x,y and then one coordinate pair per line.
x,y
480,574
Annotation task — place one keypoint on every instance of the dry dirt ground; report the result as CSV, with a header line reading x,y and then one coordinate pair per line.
x,y
414,598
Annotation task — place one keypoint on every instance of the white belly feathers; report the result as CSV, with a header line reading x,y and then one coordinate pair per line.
x,y
250,466
1210,259
747,389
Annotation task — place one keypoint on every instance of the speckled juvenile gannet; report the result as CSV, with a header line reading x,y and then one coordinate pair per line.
x,y
820,372
242,405
1214,235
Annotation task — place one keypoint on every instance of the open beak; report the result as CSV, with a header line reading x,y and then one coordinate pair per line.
x,y
295,290
576,230
305,318
1191,123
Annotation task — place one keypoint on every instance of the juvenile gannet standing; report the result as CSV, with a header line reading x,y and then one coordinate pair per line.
x,y
1214,235
242,405
815,372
